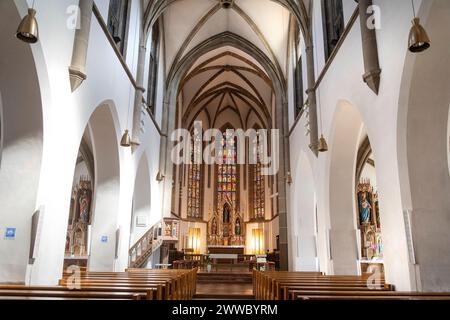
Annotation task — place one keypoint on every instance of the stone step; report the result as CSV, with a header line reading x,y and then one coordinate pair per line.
x,y
224,291
204,296
213,277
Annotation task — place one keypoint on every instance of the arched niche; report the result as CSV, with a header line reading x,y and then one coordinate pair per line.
x,y
76,249
303,217
105,208
371,247
141,217
21,143
423,151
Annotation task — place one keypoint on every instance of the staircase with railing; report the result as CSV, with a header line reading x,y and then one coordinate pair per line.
x,y
141,251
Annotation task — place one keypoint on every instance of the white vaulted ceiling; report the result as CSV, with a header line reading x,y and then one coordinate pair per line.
x,y
226,80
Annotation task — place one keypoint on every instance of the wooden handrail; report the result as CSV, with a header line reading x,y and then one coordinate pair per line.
x,y
141,239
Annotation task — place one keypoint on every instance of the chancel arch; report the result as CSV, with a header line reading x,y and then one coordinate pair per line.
x,y
229,106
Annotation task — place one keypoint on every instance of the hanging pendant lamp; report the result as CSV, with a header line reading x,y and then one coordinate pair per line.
x,y
322,146
418,40
28,30
126,140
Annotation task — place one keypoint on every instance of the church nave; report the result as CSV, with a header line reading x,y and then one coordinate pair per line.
x,y
225,149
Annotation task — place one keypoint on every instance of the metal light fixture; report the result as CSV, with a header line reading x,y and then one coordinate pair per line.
x,y
28,30
322,146
288,178
126,140
160,177
418,40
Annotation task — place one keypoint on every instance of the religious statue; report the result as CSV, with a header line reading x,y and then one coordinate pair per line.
x,y
226,214
365,208
79,242
225,231
237,227
84,203
214,227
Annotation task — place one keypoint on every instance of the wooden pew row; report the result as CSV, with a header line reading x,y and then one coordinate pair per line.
x,y
300,286
263,283
149,285
166,289
191,280
176,285
55,293
190,284
182,283
365,295
277,285
179,285
149,293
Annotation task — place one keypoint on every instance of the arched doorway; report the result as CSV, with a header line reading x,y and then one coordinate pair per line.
x,y
21,125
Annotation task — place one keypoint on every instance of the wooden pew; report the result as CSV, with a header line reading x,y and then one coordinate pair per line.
x,y
54,293
276,285
307,286
182,283
365,295
133,284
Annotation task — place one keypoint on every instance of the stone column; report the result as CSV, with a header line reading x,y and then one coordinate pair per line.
x,y
165,160
312,105
370,48
139,93
77,69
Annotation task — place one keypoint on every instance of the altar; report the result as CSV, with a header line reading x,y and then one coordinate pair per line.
x,y
233,250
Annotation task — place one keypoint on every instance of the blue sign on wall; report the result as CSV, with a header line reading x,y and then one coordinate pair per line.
x,y
104,239
10,233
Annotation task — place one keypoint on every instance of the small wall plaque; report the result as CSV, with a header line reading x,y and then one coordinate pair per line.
x,y
10,233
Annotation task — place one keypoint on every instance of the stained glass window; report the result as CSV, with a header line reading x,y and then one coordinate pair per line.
x,y
195,180
257,185
227,174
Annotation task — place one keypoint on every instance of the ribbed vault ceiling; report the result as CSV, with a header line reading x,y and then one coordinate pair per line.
x,y
226,80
